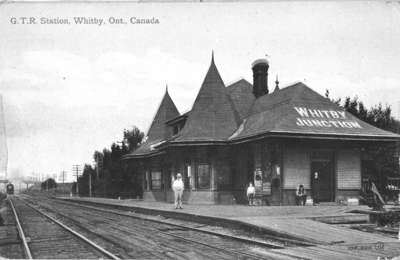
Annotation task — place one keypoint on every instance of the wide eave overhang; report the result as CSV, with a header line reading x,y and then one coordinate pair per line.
x,y
143,155
273,134
317,136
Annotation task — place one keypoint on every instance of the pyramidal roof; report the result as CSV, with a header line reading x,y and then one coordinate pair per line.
x,y
213,117
297,109
167,110
241,93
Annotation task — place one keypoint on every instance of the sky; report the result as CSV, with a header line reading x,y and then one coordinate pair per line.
x,y
69,90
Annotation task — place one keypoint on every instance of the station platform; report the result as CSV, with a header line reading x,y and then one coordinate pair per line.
x,y
306,223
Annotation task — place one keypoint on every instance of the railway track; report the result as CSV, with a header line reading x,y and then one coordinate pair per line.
x,y
266,241
43,236
133,237
10,242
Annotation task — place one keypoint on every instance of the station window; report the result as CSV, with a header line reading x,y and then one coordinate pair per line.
x,y
187,177
203,176
169,179
147,180
156,180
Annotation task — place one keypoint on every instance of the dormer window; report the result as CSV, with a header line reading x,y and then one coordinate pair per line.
x,y
175,130
177,123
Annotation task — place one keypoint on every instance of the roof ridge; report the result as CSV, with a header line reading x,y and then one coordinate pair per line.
x,y
233,82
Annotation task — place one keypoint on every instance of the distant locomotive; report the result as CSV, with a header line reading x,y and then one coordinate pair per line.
x,y
10,189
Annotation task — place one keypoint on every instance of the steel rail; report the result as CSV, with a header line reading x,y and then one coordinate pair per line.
x,y
21,233
253,256
242,239
214,247
276,254
130,215
82,237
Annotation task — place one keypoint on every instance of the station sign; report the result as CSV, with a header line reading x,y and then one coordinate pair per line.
x,y
324,118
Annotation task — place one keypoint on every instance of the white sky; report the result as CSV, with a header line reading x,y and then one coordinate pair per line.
x,y
69,90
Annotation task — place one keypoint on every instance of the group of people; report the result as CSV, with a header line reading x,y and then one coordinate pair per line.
x,y
178,187
301,195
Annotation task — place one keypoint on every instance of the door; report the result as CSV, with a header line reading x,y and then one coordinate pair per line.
x,y
322,181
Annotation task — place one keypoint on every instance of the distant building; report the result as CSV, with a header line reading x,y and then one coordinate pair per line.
x,y
242,133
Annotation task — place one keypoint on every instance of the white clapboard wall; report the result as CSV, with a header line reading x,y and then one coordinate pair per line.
x,y
348,169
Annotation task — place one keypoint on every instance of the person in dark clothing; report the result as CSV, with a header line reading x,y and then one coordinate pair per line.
x,y
301,195
315,190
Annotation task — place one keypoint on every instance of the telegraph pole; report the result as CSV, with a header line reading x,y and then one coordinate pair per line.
x,y
63,176
90,184
75,170
63,179
99,164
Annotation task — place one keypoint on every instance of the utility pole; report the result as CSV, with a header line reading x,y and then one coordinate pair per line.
x,y
90,184
99,164
63,177
75,170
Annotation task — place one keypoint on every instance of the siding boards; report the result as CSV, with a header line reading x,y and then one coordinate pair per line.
x,y
296,165
348,169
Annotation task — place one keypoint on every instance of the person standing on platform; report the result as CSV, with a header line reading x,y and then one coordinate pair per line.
x,y
251,192
301,195
315,188
178,187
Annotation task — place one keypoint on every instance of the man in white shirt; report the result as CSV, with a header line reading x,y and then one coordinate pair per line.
x,y
178,187
251,192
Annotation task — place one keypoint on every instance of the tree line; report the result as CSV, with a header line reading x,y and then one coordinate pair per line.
x,y
384,162
110,176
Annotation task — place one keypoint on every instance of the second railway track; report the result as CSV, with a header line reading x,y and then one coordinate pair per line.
x,y
140,238
46,238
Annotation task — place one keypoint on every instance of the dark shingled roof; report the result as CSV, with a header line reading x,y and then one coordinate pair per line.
x,y
276,113
241,93
213,117
159,130
166,111
232,114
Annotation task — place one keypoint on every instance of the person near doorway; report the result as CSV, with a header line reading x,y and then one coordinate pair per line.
x,y
301,195
178,187
315,188
251,192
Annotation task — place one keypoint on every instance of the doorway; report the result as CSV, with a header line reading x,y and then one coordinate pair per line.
x,y
322,177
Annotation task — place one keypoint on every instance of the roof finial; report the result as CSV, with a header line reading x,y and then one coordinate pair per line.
x,y
212,56
276,83
166,88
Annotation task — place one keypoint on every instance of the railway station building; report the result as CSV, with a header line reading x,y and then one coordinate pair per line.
x,y
243,132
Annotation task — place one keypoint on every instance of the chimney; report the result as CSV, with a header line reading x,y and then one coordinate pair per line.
x,y
260,77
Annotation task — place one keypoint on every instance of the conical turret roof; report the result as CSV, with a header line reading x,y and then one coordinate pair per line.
x,y
167,110
159,130
213,117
